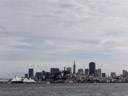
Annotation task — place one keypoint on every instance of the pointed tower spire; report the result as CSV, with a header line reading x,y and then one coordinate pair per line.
x,y
74,68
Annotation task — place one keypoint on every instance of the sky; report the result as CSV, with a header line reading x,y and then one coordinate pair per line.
x,y
41,34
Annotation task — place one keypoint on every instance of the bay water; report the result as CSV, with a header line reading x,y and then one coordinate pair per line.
x,y
79,89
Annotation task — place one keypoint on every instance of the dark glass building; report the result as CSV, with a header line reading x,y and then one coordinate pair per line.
x,y
69,70
86,71
47,75
103,74
39,75
54,71
92,68
31,73
80,71
26,75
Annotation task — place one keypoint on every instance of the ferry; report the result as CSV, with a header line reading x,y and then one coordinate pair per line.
x,y
21,80
26,80
16,80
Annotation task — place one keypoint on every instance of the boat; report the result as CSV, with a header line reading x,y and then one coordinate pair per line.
x,y
21,80
16,80
26,80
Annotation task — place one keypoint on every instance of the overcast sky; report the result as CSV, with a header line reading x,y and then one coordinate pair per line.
x,y
42,34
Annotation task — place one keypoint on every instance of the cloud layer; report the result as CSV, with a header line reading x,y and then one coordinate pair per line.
x,y
63,30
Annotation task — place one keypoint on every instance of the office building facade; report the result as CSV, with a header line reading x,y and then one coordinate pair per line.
x,y
92,68
98,73
80,71
54,71
86,71
104,75
113,74
26,76
31,73
69,69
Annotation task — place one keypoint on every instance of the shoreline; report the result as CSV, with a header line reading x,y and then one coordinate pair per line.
x,y
6,82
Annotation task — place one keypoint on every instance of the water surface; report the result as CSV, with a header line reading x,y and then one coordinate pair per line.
x,y
83,89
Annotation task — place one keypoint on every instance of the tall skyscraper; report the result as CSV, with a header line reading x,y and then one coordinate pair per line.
x,y
92,68
31,73
74,68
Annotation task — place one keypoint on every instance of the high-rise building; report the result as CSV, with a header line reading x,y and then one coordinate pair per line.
x,y
47,75
43,72
26,75
113,74
92,68
125,73
54,71
64,68
69,69
80,71
98,73
86,71
31,73
74,68
103,75
39,75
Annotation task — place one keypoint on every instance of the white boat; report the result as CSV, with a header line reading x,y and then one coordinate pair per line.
x,y
21,80
16,80
26,80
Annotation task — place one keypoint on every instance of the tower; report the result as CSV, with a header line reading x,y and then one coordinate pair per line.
x,y
92,68
74,68
99,73
31,73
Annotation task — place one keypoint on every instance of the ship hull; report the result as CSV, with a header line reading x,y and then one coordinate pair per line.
x,y
16,82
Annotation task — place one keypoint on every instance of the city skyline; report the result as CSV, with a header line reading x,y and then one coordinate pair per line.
x,y
91,70
67,75
44,33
